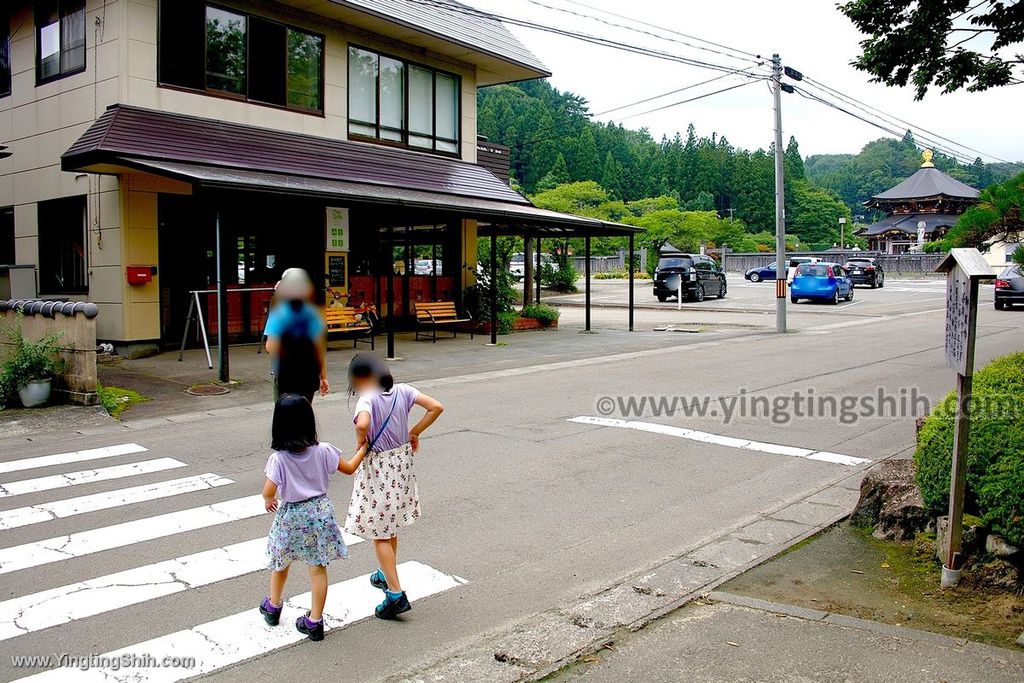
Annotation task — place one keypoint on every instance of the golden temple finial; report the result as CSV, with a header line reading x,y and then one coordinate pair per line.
x,y
927,156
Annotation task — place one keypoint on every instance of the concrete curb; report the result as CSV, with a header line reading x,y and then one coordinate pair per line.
x,y
549,641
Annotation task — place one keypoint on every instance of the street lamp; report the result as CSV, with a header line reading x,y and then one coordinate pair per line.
x,y
842,232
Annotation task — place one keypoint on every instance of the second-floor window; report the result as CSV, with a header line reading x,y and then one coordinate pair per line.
x,y
399,102
5,52
223,51
60,39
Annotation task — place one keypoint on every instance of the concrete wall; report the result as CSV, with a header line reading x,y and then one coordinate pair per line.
x,y
77,345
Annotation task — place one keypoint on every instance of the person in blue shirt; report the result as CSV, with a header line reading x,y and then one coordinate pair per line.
x,y
297,338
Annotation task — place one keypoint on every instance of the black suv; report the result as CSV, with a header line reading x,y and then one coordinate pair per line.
x,y
699,276
865,271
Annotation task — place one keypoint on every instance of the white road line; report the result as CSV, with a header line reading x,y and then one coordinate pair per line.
x,y
61,605
239,637
68,458
69,507
719,440
59,481
65,547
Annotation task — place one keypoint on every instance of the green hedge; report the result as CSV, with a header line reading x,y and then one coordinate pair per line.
x,y
542,312
995,454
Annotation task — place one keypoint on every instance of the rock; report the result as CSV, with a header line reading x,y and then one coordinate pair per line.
x,y
998,546
970,538
891,502
1020,641
1001,574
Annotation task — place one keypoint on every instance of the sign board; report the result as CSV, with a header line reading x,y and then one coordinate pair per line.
x,y
958,319
337,229
336,267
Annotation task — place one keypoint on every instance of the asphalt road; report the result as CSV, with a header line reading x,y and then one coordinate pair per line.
x,y
522,508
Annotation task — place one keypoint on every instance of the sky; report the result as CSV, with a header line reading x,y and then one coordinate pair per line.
x,y
811,36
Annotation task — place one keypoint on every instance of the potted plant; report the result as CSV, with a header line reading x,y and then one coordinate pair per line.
x,y
29,368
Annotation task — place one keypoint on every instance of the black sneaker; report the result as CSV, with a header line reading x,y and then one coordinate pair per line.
x,y
271,614
378,581
392,607
314,630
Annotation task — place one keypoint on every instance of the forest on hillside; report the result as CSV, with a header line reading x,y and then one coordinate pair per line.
x,y
564,160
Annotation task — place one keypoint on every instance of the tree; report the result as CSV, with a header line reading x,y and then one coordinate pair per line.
x,y
815,214
933,43
793,163
996,217
610,176
586,164
558,175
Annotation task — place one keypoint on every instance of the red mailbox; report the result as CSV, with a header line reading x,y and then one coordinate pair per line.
x,y
140,275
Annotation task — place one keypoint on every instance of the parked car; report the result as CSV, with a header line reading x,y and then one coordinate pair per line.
x,y
425,266
1009,288
761,273
517,264
865,271
697,275
821,281
795,263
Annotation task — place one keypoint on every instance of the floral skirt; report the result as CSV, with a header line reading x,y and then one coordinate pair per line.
x,y
305,531
384,494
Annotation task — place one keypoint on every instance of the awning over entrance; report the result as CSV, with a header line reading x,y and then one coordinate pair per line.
x,y
218,154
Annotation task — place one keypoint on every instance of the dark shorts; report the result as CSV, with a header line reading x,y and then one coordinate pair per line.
x,y
292,388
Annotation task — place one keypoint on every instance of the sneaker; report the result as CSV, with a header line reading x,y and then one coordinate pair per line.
x,y
392,605
314,630
377,580
271,614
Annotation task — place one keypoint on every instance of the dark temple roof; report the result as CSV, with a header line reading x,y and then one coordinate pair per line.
x,y
130,132
926,183
907,224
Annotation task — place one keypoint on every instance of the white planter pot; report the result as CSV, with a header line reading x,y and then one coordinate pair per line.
x,y
35,393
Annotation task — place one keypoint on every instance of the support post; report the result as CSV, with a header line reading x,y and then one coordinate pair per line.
x,y
586,275
780,203
494,289
224,371
390,270
527,270
631,276
539,270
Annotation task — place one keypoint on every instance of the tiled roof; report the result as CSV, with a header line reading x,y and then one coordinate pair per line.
x,y
927,183
907,223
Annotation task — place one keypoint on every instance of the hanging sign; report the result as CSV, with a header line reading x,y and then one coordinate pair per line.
x,y
337,229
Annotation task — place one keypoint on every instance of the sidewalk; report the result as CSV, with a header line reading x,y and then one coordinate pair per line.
x,y
731,638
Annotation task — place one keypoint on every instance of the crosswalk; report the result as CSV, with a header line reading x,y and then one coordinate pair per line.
x,y
232,638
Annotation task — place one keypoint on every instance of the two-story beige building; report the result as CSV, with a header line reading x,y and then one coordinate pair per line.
x,y
157,147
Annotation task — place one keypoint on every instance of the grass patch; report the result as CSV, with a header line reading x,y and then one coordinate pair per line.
x,y
116,400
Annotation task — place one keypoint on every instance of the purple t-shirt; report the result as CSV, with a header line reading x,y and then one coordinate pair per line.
x,y
378,405
302,475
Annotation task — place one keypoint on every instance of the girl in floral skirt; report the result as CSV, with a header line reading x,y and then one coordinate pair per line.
x,y
304,527
384,494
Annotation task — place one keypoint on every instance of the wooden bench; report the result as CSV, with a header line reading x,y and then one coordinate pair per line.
x,y
430,316
344,320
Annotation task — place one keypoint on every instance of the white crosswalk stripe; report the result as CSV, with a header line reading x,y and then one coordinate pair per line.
x,y
127,533
217,644
68,458
243,636
69,507
57,481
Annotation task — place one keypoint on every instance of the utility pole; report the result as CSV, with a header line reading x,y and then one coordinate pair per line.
x,y
781,271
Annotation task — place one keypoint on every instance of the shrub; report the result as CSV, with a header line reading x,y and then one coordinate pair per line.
x,y
507,321
561,280
995,457
542,312
28,361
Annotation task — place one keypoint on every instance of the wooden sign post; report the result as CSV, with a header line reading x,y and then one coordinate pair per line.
x,y
964,269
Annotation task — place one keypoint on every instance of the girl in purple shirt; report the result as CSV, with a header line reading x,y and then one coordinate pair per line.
x,y
384,494
304,527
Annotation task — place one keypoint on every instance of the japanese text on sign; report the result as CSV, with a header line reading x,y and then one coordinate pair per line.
x,y
337,229
958,319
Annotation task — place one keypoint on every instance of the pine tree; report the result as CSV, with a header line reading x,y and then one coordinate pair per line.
x,y
610,177
558,175
586,164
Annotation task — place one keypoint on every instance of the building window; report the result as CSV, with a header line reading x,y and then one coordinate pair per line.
x,y
226,52
5,53
60,39
7,236
402,103
62,240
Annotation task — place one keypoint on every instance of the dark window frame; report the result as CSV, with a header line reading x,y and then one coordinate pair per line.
x,y
212,92
61,73
405,132
8,242
44,281
6,72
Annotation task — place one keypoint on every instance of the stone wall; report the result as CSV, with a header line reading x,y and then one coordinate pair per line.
x,y
76,324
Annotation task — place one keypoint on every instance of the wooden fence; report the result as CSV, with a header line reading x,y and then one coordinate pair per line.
x,y
891,263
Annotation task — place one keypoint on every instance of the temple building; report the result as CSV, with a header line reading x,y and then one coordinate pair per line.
x,y
921,209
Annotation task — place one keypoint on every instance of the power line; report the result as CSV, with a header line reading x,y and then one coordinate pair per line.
x,y
664,94
691,99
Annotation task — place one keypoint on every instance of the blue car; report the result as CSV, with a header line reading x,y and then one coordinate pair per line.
x,y
761,273
821,281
